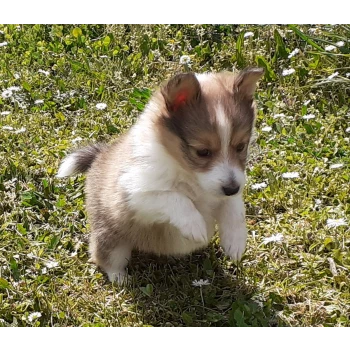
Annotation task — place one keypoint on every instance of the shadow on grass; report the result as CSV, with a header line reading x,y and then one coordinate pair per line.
x,y
165,296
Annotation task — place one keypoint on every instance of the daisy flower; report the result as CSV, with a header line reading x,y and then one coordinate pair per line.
x,y
274,238
309,116
185,60
288,71
38,102
3,43
266,128
51,264
336,222
336,166
259,186
293,53
291,175
330,48
333,75
340,43
6,94
248,34
45,72
101,106
200,283
34,316
5,113
19,131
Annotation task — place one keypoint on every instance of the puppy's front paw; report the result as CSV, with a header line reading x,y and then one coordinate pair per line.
x,y
234,243
119,277
194,228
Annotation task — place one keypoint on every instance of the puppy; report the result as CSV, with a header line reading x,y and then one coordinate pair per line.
x,y
162,186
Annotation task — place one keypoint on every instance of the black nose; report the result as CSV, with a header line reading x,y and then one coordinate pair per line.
x,y
230,191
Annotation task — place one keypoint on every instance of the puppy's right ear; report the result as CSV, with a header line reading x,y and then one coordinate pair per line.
x,y
181,90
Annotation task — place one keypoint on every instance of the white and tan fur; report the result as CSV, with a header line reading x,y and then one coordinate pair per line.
x,y
179,170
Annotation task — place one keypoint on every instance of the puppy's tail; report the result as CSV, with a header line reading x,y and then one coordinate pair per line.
x,y
79,161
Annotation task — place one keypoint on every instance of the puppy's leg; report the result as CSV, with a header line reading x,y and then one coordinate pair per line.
x,y
117,261
232,227
172,207
112,261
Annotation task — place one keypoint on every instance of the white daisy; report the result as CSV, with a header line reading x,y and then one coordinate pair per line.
x,y
38,102
200,283
293,53
330,47
266,128
101,106
51,264
306,102
6,127
291,175
336,222
45,72
248,34
3,43
259,186
274,238
336,166
279,115
16,76
5,113
185,60
14,88
340,43
288,71
309,116
333,75
34,316
347,129
6,94
19,131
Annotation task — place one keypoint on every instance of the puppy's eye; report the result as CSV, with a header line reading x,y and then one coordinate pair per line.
x,y
240,147
204,153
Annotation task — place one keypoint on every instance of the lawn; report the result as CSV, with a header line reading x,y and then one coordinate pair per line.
x,y
64,86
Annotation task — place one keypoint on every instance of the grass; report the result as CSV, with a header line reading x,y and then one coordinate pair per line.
x,y
64,71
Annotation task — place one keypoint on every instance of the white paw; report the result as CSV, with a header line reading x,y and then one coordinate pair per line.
x,y
234,243
195,228
119,277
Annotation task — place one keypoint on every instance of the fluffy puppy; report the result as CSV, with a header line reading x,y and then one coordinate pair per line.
x,y
180,169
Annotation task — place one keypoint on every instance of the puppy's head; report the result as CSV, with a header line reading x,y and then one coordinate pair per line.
x,y
206,124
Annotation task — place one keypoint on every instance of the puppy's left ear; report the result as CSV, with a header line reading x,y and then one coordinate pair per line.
x,y
183,89
245,81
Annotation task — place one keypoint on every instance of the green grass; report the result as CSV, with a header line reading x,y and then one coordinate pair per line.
x,y
302,280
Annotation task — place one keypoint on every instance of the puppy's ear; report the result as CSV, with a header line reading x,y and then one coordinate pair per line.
x,y
245,81
181,90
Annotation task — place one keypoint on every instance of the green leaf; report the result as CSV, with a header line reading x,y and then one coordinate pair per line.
x,y
148,290
269,73
280,47
309,128
26,86
106,41
187,318
239,50
303,36
76,32
3,283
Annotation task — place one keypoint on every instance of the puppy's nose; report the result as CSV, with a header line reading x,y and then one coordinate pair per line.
x,y
230,190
